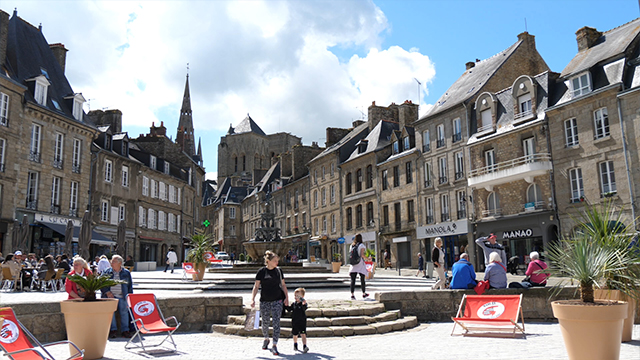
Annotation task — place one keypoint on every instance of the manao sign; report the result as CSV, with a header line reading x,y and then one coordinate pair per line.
x,y
459,227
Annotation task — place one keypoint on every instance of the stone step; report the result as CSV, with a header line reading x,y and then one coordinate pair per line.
x,y
348,308
351,320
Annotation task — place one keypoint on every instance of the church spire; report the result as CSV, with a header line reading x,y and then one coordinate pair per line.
x,y
185,137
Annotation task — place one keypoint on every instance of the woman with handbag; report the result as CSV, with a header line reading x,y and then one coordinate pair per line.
x,y
273,297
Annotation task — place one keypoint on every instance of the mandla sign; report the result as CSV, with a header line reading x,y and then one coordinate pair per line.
x,y
515,234
442,229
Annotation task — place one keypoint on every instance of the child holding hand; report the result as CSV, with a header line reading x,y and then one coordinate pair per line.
x,y
299,320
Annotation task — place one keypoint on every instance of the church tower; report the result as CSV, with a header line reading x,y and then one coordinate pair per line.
x,y
185,138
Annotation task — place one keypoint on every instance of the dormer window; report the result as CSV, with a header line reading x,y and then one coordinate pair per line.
x,y
581,85
362,147
125,148
78,102
485,121
41,89
523,94
524,104
152,162
407,143
396,147
107,141
166,167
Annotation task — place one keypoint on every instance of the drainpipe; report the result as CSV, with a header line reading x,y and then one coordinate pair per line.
x,y
626,163
552,175
470,207
94,159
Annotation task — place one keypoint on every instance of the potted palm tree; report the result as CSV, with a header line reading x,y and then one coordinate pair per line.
x,y
87,321
337,262
592,328
201,243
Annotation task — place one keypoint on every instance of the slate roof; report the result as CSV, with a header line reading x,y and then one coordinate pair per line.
x,y
272,174
471,81
611,44
29,56
378,138
346,144
247,125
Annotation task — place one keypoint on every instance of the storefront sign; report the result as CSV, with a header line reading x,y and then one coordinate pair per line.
x,y
401,239
515,234
314,243
56,219
443,229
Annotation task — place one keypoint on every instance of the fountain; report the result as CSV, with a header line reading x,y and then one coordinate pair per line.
x,y
267,236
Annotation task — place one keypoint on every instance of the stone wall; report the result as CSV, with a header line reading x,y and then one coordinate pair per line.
x,y
46,322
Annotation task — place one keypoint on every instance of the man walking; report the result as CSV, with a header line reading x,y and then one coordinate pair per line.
x,y
489,245
172,259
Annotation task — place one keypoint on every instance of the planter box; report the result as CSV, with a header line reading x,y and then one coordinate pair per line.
x,y
88,323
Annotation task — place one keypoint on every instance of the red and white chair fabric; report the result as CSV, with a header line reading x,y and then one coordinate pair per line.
x,y
19,344
489,314
148,320
189,269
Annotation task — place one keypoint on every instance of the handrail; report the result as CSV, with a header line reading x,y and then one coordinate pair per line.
x,y
510,164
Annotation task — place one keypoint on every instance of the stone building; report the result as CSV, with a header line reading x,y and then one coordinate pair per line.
x,y
510,175
442,135
589,139
45,175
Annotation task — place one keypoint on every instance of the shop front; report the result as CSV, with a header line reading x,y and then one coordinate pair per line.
x,y
522,234
455,236
299,246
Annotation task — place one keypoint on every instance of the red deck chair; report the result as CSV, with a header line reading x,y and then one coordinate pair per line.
x,y
188,270
148,318
19,344
490,314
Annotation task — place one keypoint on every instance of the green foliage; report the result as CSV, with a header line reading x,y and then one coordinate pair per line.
x,y
370,254
92,283
241,257
249,259
201,242
337,257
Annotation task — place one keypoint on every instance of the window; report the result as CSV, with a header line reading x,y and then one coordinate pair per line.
x,y
179,196
427,175
145,186
40,93
409,173
304,220
77,151
315,226
397,214
571,132
73,199
369,176
347,184
359,216
324,196
440,142
295,200
407,143
162,189
32,190
3,145
442,170
428,204
461,200
607,178
104,211
396,147
162,225
444,207
601,123
349,219
4,109
385,182
107,141
125,176
533,194
57,151
524,105
77,109
172,194
580,85
426,141
396,176
34,154
457,130
324,224
493,204
232,230
410,211
154,189
232,213
528,149
108,171
486,123
385,215
332,193
171,223
121,212
142,222
235,164
358,180
577,188
167,167
151,219
459,165
315,198
55,195
152,162
370,213
333,223
333,169
490,160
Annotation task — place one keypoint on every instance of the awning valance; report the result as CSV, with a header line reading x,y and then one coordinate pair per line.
x,y
96,238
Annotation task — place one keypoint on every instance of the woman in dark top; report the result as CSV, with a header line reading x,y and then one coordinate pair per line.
x,y
270,281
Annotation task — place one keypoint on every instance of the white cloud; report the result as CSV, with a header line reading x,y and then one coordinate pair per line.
x,y
271,59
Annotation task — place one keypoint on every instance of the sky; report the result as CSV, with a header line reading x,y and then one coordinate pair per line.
x,y
293,66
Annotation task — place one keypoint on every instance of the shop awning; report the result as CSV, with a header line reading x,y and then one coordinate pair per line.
x,y
96,238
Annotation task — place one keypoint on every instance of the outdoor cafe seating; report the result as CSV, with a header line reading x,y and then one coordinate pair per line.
x,y
9,282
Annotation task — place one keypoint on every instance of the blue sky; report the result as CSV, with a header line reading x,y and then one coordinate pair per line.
x,y
294,66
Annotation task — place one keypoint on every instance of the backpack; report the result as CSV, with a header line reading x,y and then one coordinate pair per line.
x,y
354,255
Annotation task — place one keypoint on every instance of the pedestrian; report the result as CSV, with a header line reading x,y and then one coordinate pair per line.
x,y
437,257
299,319
120,292
489,245
357,265
172,259
496,272
463,276
129,262
421,265
233,257
387,259
273,297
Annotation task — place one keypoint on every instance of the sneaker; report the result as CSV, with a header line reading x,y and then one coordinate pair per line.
x,y
365,295
274,350
265,344
305,349
353,297
295,346
113,334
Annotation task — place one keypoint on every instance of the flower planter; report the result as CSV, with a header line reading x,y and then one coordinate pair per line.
x,y
591,331
335,266
88,323
627,328
200,269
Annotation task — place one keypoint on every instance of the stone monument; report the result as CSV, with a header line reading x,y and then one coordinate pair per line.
x,y
267,236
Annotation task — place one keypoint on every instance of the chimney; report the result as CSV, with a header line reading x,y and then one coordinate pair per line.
x,y
528,38
113,118
4,36
470,64
586,37
60,53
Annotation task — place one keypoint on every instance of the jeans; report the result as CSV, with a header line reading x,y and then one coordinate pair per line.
x,y
169,266
123,310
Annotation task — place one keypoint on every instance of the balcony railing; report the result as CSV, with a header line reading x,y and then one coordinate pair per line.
x,y
522,115
442,179
534,158
456,137
76,168
445,217
428,183
531,206
430,219
397,226
32,205
462,214
426,147
1,167
57,163
492,212
55,209
4,121
73,212
440,143
34,156
459,175
485,128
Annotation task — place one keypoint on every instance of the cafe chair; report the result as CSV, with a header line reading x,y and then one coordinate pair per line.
x,y
18,343
148,320
10,283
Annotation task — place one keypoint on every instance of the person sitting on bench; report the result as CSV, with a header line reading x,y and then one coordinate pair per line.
x,y
533,277
496,273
